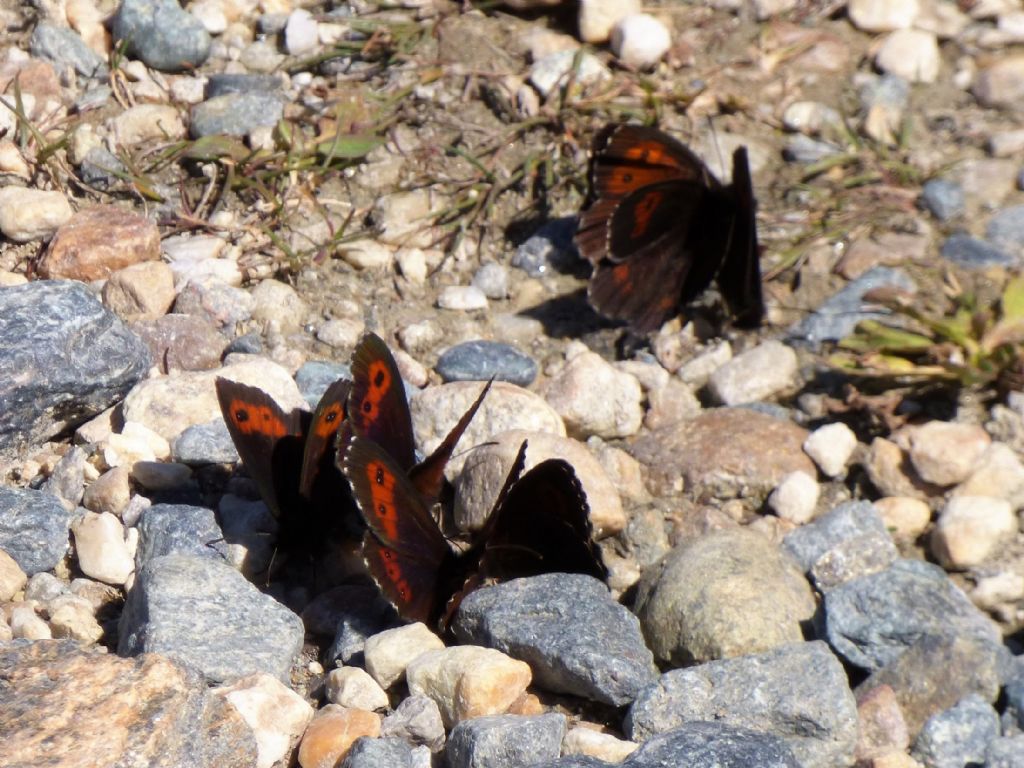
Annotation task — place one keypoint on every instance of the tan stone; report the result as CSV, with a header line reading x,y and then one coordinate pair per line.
x,y
275,713
332,733
140,291
12,578
98,241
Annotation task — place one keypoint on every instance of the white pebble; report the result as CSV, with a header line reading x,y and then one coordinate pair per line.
x,y
830,447
103,553
639,41
795,497
597,18
755,374
593,398
342,333
911,54
946,453
462,297
367,254
882,15
970,528
352,687
412,263
31,214
300,33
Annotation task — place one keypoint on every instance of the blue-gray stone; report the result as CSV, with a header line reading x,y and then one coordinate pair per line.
x,y
365,613
873,619
101,169
64,358
567,627
44,586
204,613
1005,230
314,377
236,114
161,34
201,444
509,741
480,360
839,314
1013,693
247,344
578,761
850,520
805,150
492,279
971,253
417,720
714,745
943,198
66,48
381,753
68,478
237,82
887,90
33,529
166,529
94,96
550,247
250,524
802,697
1005,752
959,736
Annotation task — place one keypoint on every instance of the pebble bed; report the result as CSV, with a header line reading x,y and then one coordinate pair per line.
x,y
787,588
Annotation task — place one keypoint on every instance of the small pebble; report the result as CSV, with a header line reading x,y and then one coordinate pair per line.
x,y
882,15
943,198
594,398
912,54
795,498
969,529
482,360
103,553
831,447
492,279
903,516
755,374
352,687
971,253
300,33
464,298
597,18
235,114
161,34
388,653
31,214
946,453
639,40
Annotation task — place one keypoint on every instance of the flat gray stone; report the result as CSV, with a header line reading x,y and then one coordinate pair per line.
x,y
236,114
570,631
959,736
166,529
845,522
714,745
33,529
509,741
798,693
65,47
161,34
64,358
204,613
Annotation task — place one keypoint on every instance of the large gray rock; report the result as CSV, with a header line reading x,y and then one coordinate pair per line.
x,y
959,736
570,631
204,613
161,34
873,619
33,529
713,745
509,741
798,693
63,359
166,529
729,593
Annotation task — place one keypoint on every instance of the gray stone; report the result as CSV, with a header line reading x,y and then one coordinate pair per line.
x,y
492,279
44,586
943,198
64,358
727,593
959,736
481,360
66,48
805,150
1005,752
236,114
100,168
379,753
546,249
246,344
33,529
238,82
161,34
848,521
570,631
417,720
714,745
68,478
798,693
365,613
223,305
839,314
204,613
578,761
208,443
510,741
971,253
1005,230
871,620
888,91
316,376
166,529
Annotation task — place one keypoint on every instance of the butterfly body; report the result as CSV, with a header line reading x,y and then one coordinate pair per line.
x,y
659,229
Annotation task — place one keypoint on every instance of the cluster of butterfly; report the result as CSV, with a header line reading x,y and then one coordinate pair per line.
x,y
349,468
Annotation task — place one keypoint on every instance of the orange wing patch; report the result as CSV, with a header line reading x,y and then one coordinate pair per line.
x,y
393,571
382,491
257,419
328,423
380,385
642,213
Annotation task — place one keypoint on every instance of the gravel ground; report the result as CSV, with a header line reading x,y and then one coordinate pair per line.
x,y
811,528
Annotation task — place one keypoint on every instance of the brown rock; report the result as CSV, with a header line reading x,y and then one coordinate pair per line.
x,y
721,451
881,727
35,77
332,733
182,342
98,241
81,708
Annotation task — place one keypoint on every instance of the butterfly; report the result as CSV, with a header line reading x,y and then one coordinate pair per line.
x,y
291,455
539,524
659,229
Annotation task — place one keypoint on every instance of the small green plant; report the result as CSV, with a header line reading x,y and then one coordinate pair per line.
x,y
975,344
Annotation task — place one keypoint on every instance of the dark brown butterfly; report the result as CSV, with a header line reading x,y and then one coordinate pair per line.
x,y
659,229
539,524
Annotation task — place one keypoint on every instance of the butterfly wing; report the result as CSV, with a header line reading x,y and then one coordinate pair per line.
x,y
377,406
541,524
269,441
405,551
428,475
627,158
318,455
739,279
